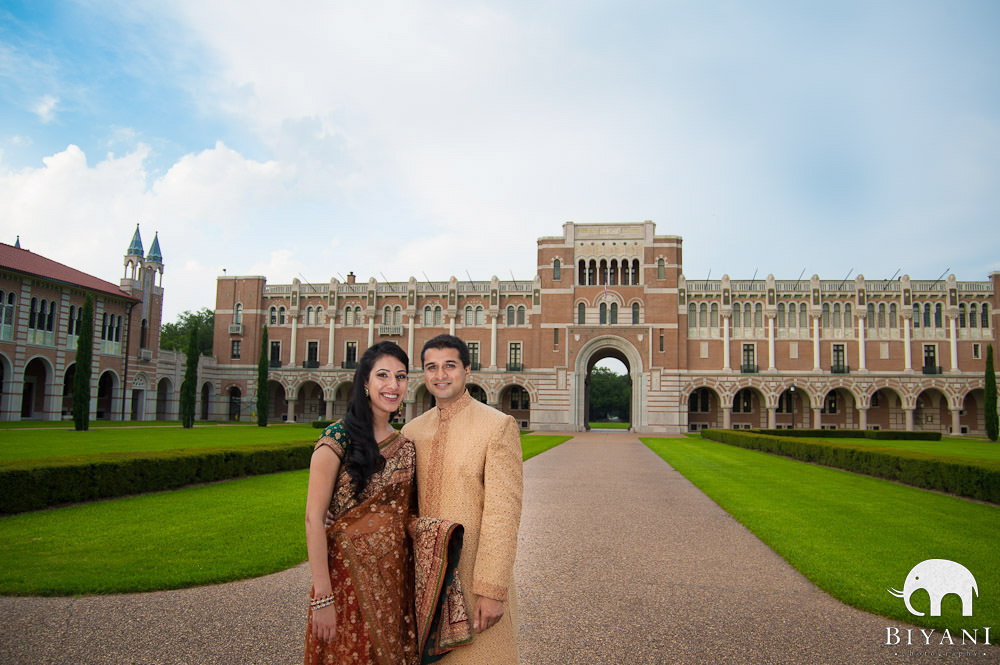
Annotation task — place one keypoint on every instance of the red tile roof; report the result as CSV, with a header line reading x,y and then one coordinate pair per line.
x,y
28,263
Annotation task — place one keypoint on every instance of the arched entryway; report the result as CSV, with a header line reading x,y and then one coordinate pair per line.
x,y
37,377
931,414
749,409
164,391
885,410
310,405
107,396
5,381
476,392
971,419
839,410
516,402
235,403
793,411
67,391
206,398
704,409
595,350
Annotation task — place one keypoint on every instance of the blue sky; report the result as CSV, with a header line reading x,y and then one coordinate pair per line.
x,y
310,139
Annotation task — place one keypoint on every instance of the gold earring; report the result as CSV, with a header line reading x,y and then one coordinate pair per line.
x,y
366,391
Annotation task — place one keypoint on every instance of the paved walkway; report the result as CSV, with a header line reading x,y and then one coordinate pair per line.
x,y
621,561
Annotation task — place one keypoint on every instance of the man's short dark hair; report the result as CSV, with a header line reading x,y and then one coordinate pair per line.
x,y
448,342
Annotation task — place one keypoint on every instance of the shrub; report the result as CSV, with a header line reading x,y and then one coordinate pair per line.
x,y
36,484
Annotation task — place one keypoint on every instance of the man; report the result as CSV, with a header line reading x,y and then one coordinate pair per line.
x,y
469,471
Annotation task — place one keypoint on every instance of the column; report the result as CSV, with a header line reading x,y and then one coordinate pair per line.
x,y
451,326
861,342
956,421
909,418
493,343
725,342
331,342
770,347
291,411
291,345
862,418
329,410
727,417
371,331
815,343
953,345
817,418
772,417
907,360
409,342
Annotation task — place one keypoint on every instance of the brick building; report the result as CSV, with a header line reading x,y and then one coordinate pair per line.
x,y
890,354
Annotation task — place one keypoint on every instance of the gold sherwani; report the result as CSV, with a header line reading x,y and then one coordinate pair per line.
x,y
469,471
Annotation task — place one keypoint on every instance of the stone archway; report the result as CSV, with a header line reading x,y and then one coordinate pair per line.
x,y
599,348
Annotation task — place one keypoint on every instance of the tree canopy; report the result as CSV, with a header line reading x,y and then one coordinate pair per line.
x,y
174,336
609,395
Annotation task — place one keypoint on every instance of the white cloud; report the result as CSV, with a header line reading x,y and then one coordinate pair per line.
x,y
45,108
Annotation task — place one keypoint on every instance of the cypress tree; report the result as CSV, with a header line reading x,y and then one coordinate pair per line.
x,y
190,384
991,397
81,375
262,382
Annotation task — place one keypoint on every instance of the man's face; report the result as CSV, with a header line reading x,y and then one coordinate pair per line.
x,y
444,374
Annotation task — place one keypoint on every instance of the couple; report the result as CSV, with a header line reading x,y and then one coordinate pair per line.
x,y
385,585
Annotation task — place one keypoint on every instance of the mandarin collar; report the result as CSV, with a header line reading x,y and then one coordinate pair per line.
x,y
449,411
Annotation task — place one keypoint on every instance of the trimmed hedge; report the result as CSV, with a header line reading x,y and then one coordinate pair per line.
x,y
976,479
36,484
877,434
323,424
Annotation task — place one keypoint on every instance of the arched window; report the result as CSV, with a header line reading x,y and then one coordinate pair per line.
x,y
428,316
613,273
470,315
635,313
848,316
592,273
736,315
581,314
635,271
624,269
582,277
118,330
510,315
803,316
661,269
870,315
713,317
916,315
520,315
273,318
604,313
238,313
7,302
556,270
836,315
397,315
973,315
961,315
927,315
986,316
143,333
437,315
33,314
348,316
692,315
603,275
51,323
781,315
758,316
792,315
826,315
893,317
479,315
70,324
614,313
703,316
281,316
319,316
881,315
104,325
938,319
386,315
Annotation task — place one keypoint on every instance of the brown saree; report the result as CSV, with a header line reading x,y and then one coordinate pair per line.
x,y
392,574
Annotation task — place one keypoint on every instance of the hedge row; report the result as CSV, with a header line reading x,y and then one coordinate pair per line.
x,y
976,479
36,484
323,424
877,434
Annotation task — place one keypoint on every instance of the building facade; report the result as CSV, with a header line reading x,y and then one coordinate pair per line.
x,y
889,354
41,314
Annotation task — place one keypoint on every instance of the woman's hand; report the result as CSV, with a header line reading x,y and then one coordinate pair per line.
x,y
325,623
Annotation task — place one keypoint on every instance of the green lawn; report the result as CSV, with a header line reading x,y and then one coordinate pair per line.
x,y
608,425
852,535
98,424
46,442
197,535
950,446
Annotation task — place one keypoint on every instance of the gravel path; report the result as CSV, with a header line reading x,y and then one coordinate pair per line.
x,y
621,560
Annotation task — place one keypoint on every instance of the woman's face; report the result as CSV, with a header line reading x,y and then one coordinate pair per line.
x,y
386,385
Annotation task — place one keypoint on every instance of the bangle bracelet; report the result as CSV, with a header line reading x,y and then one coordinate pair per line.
x,y
321,602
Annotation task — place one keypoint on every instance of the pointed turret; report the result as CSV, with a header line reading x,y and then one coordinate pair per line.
x,y
135,247
154,255
17,243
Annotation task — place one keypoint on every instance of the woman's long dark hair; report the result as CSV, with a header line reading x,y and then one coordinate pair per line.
x,y
363,458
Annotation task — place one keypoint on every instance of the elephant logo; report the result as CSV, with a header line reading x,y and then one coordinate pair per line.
x,y
939,577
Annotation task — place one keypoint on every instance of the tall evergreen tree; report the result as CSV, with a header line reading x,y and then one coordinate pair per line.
x,y
262,365
189,387
992,424
82,371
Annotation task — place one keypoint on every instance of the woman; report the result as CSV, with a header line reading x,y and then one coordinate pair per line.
x,y
374,600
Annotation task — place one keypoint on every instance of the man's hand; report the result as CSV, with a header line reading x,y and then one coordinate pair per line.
x,y
488,612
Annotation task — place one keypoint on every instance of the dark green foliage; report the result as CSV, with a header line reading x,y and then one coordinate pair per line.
x,y
189,387
990,403
609,395
82,370
262,365
978,479
174,336
36,484
875,434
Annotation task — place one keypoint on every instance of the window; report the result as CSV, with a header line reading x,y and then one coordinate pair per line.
x,y
836,315
603,274
70,323
830,403
238,313
692,315
826,315
785,404
758,316
521,311
273,316
592,273
33,314
748,358
582,277
510,315
603,313
613,273
661,342
275,356
927,315
635,271
803,316
235,355
614,313
881,315
976,352
698,401
118,330
930,356
437,315
350,354
713,316
312,353
470,315
514,357
143,333
986,316
781,315
479,315
938,319
7,302
555,337
743,401
581,314
348,316
893,317
281,316
556,270
386,315
973,315
474,354
635,314
736,315
875,400
961,315
839,357
661,269
519,400
428,316
848,316
746,315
